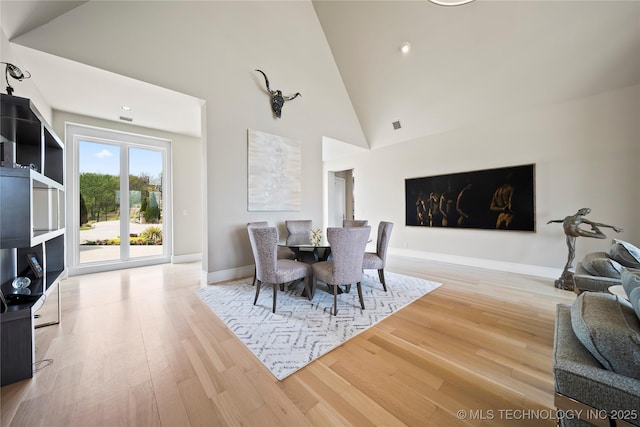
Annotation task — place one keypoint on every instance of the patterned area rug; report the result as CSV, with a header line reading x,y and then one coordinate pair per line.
x,y
300,330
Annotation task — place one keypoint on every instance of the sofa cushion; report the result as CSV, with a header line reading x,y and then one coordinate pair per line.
x,y
599,264
578,375
610,329
630,278
634,298
624,253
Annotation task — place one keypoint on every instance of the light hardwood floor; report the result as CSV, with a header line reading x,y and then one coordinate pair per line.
x,y
137,347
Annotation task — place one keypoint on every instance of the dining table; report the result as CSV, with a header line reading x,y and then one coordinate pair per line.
x,y
306,250
310,252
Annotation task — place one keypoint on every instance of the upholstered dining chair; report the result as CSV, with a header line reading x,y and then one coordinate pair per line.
x,y
283,252
377,260
347,248
270,269
299,226
355,222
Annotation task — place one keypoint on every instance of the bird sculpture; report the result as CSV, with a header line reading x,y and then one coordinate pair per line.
x,y
277,99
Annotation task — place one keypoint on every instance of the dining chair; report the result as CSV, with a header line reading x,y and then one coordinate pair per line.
x,y
283,252
347,248
302,227
270,269
377,260
355,222
299,226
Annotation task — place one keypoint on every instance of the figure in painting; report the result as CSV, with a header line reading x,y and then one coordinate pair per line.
x,y
502,202
421,209
447,206
433,204
571,226
463,205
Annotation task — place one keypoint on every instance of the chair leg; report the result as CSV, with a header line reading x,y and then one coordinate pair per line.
x,y
257,292
275,293
255,275
307,287
359,286
335,300
381,276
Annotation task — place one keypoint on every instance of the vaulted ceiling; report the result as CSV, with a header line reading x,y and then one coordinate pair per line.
x,y
475,62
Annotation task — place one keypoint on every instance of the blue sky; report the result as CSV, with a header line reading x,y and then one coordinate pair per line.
x,y
105,158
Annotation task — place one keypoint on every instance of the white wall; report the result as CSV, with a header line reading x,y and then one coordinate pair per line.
x,y
25,88
209,50
186,158
586,152
186,176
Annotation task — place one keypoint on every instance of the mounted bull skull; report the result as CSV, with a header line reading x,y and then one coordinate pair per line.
x,y
277,99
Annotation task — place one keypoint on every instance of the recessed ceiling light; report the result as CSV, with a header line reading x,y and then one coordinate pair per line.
x,y
450,2
126,108
405,47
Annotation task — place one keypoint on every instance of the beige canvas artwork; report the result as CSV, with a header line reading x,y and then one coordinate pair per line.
x,y
274,172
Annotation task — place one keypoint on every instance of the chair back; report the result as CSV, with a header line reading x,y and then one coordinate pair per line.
x,y
384,235
347,249
264,244
258,224
355,222
299,226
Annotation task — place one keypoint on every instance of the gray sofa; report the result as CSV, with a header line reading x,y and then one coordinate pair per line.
x,y
600,270
586,281
596,358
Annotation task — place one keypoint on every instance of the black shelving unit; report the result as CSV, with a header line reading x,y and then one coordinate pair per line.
x,y
32,221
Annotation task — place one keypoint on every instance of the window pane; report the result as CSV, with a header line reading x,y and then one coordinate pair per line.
x,y
99,202
145,202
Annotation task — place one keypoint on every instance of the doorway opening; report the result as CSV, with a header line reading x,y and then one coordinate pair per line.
x,y
341,199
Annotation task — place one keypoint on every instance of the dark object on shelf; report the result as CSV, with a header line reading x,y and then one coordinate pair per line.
x,y
7,154
16,73
3,301
32,259
277,99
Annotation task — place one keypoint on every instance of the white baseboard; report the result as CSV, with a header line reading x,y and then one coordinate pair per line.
x,y
526,269
529,270
179,259
98,267
230,274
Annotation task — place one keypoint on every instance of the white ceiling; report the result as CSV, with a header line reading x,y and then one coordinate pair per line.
x,y
81,89
475,62
480,61
19,17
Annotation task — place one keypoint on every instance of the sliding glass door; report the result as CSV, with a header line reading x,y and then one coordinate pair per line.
x,y
120,186
99,197
145,202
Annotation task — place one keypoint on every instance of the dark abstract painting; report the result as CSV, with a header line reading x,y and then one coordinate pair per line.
x,y
498,199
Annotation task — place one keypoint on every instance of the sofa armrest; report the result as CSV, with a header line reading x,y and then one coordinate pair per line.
x,y
579,376
585,281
